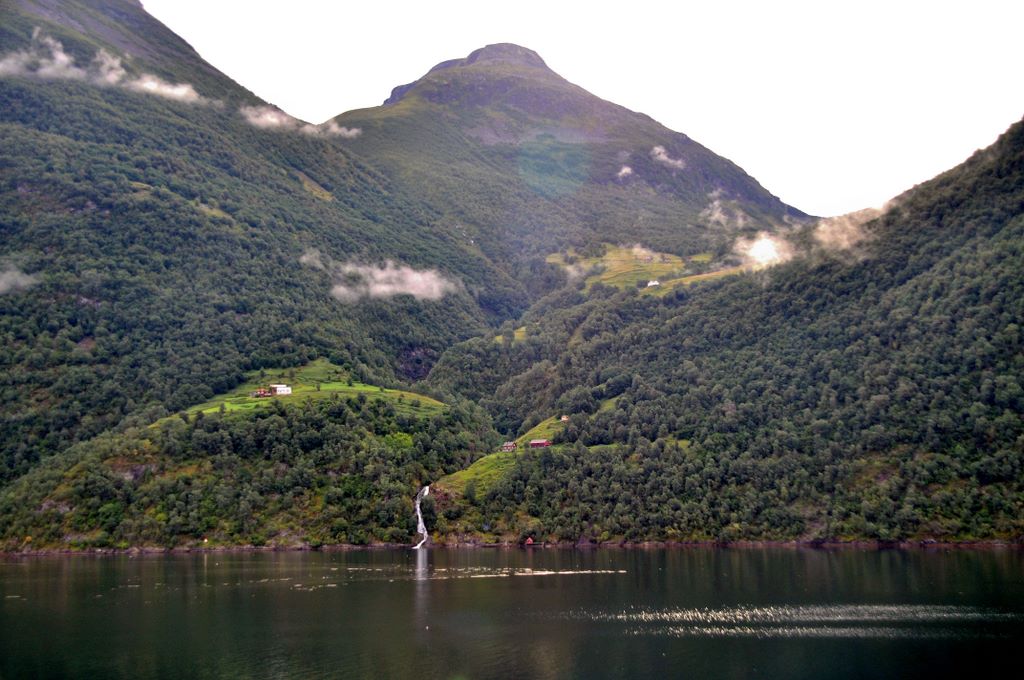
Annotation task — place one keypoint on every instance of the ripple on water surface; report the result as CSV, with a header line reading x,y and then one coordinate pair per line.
x,y
891,621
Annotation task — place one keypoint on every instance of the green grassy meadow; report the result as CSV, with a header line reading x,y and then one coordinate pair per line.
x,y
545,429
319,379
632,267
486,471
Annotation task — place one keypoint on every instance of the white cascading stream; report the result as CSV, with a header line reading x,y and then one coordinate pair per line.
x,y
421,528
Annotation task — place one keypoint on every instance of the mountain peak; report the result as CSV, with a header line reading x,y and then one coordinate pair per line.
x,y
498,53
506,52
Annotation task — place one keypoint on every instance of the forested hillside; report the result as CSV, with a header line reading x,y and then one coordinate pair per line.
x,y
489,250
871,392
165,231
326,471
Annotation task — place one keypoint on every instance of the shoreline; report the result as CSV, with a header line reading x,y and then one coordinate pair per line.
x,y
505,545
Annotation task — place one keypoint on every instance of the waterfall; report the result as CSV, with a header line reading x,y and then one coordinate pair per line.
x,y
421,528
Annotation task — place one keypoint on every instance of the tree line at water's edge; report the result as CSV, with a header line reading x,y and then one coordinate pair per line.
x,y
329,471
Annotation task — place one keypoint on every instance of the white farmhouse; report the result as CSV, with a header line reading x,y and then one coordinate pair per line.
x,y
280,390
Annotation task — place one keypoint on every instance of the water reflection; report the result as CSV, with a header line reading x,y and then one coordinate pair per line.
x,y
421,594
435,613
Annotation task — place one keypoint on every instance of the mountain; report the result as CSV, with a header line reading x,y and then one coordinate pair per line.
x,y
161,237
123,28
869,388
176,231
528,163
490,249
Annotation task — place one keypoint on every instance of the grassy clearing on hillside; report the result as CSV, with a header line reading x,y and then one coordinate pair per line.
x,y
624,267
545,429
518,335
633,267
484,472
319,379
313,188
669,284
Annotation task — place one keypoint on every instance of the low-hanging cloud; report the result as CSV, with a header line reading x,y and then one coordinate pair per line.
x,y
13,279
353,281
724,214
331,128
845,231
642,253
273,118
575,271
714,213
45,58
763,251
659,154
150,84
267,117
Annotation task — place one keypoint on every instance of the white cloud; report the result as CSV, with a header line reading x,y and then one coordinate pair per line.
x,y
107,68
332,128
714,213
624,172
268,117
312,258
273,118
845,231
151,84
763,251
353,281
642,253
13,279
659,154
45,58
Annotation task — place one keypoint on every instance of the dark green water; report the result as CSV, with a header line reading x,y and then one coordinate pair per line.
x,y
688,613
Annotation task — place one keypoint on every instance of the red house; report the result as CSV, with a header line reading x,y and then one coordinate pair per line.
x,y
539,443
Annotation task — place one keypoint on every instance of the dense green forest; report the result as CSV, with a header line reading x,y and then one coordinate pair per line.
x,y
873,394
167,239
330,471
165,236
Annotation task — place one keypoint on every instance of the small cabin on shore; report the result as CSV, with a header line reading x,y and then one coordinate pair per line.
x,y
539,443
509,446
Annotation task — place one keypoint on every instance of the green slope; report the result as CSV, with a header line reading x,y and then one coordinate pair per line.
x,y
340,468
169,245
866,394
529,163
161,253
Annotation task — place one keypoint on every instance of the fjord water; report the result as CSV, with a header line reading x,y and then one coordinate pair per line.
x,y
447,613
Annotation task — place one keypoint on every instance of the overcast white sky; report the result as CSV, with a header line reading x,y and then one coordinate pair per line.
x,y
832,106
